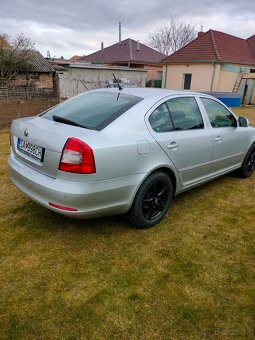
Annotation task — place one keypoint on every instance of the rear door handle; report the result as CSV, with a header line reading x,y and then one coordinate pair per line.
x,y
218,139
172,146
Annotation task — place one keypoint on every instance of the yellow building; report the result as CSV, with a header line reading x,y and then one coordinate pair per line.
x,y
214,61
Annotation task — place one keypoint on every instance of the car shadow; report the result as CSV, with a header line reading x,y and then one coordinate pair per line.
x,y
52,220
40,217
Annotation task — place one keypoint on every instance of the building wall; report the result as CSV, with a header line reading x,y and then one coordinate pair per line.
x,y
227,81
253,92
39,81
154,72
209,77
79,79
202,75
249,81
228,76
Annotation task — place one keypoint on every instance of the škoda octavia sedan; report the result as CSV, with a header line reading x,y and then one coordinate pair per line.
x,y
127,151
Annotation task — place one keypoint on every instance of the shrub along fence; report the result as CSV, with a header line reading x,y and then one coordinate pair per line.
x,y
26,93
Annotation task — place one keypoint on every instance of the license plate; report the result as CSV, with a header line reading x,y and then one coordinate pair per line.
x,y
30,149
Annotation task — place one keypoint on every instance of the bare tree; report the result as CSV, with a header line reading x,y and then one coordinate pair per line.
x,y
170,38
16,53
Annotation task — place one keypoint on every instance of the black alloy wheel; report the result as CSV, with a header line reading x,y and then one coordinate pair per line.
x,y
251,162
248,166
152,200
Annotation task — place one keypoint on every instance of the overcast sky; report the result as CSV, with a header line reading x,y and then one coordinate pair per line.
x,y
77,27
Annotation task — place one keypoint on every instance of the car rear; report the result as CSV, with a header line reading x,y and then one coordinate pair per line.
x,y
53,156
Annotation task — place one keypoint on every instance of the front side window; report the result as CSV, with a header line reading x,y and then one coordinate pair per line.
x,y
218,115
177,114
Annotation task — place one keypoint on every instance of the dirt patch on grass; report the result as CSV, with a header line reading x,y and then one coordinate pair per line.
x,y
10,110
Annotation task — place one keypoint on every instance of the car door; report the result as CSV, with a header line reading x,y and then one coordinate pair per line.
x,y
177,125
228,137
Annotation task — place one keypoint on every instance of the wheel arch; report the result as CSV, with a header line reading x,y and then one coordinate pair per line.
x,y
251,146
163,182
171,175
164,169
244,171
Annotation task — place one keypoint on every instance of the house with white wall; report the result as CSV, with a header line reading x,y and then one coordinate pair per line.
x,y
129,53
78,78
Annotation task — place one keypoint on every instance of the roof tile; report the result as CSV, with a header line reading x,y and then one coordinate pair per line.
x,y
216,46
251,42
129,51
39,64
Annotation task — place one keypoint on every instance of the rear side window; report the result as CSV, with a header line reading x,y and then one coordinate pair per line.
x,y
160,119
92,110
177,114
185,113
218,115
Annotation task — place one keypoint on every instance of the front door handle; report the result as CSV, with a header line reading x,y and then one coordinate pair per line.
x,y
172,146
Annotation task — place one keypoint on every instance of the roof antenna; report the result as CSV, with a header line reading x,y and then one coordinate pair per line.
x,y
117,81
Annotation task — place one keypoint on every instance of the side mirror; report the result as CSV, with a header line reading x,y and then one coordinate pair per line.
x,y
243,122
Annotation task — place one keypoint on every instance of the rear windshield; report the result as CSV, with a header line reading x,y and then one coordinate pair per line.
x,y
92,110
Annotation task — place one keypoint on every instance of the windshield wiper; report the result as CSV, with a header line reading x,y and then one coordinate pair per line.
x,y
68,121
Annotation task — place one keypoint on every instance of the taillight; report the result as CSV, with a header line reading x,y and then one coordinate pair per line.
x,y
77,157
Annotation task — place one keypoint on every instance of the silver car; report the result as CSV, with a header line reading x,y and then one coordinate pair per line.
x,y
127,151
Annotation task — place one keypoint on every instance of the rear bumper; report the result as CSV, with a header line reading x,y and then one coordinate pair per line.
x,y
91,199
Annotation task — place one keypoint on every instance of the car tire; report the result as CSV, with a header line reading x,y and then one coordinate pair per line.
x,y
151,201
248,166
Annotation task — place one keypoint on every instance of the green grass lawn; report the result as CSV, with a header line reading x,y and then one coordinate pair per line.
x,y
190,277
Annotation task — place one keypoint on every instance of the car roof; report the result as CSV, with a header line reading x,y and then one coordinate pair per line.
x,y
147,92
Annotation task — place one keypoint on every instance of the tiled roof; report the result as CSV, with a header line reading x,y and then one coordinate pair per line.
x,y
58,60
129,51
216,46
75,58
39,64
251,42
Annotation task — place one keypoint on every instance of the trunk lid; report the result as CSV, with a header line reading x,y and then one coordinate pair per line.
x,y
38,142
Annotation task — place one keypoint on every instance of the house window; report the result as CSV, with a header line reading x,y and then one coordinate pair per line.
x,y
187,81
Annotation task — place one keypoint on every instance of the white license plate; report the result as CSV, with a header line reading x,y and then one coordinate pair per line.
x,y
30,149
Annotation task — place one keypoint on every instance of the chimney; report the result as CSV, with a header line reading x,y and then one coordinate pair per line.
x,y
199,34
119,33
138,46
102,52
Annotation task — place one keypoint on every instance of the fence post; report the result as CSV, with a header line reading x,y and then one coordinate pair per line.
x,y
18,113
56,86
